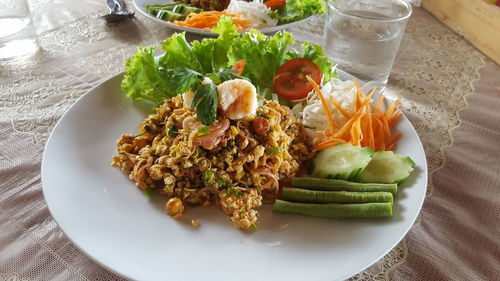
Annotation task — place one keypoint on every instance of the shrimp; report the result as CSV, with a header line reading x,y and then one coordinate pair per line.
x,y
237,98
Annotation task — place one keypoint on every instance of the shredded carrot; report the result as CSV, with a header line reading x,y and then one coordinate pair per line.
x,y
394,138
209,19
358,98
393,118
369,126
371,140
339,108
391,109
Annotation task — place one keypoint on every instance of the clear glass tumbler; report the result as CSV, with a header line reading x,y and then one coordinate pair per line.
x,y
363,36
17,33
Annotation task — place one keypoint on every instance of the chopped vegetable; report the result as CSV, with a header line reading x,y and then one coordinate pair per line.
x,y
343,161
313,196
236,192
203,130
387,167
341,185
149,192
290,81
369,126
273,150
208,175
209,19
334,210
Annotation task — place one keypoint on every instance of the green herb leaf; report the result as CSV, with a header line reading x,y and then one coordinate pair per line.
x,y
172,132
149,192
203,130
205,101
183,79
169,188
273,150
259,113
222,183
235,192
208,175
228,74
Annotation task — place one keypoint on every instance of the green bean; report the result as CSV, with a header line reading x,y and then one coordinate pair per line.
x,y
341,185
333,210
314,196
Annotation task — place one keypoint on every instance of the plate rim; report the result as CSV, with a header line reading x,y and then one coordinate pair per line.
x,y
96,259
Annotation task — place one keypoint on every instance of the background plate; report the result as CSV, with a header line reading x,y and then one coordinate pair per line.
x,y
102,213
140,5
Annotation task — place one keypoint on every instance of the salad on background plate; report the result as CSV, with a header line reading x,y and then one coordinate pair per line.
x,y
200,16
242,119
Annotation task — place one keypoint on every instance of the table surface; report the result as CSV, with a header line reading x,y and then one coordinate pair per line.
x,y
449,91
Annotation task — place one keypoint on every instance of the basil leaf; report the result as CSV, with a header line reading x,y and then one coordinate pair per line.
x,y
205,101
229,74
183,79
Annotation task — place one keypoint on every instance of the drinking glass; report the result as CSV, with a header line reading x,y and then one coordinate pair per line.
x,y
363,36
17,34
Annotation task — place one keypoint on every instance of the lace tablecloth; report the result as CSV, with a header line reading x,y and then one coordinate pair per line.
x,y
449,91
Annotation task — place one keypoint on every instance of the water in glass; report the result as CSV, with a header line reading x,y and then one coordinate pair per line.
x,y
363,42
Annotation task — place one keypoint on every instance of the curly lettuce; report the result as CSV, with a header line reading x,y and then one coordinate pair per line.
x,y
295,10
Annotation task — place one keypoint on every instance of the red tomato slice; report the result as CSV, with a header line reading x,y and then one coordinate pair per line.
x,y
290,81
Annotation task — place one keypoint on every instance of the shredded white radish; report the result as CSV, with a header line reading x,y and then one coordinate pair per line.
x,y
312,115
255,10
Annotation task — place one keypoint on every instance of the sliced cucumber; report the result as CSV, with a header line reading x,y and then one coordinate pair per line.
x,y
169,15
190,10
343,161
387,167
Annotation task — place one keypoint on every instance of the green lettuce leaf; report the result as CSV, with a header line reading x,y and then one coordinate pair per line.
x,y
143,80
227,32
263,56
317,55
179,53
295,10
204,51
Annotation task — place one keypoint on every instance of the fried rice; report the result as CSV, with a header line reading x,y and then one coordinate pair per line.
x,y
231,164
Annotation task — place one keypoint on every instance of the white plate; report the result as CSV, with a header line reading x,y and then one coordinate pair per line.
x,y
102,212
140,5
